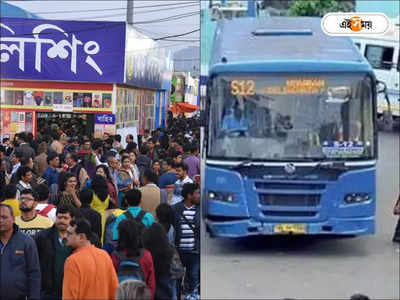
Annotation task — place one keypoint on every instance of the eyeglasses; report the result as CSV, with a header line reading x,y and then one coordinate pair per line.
x,y
26,199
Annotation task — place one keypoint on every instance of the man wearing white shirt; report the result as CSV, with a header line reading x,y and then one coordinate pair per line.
x,y
182,173
25,178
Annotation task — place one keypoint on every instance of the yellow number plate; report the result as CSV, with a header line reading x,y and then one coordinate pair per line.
x,y
290,228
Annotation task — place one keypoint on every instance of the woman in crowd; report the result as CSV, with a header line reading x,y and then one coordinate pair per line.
x,y
125,178
128,246
155,240
101,199
103,171
134,168
67,193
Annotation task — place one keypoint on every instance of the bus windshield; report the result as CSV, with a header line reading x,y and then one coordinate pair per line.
x,y
275,117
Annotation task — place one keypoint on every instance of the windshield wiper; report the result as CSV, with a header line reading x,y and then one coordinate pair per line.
x,y
245,163
325,164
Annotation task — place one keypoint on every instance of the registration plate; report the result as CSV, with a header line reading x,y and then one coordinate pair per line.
x,y
290,228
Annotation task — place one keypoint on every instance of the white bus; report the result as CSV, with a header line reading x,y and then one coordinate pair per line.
x,y
383,54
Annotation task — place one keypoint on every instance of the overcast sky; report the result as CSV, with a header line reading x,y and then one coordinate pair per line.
x,y
116,11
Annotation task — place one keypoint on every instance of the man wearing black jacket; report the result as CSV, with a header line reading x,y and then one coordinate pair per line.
x,y
53,252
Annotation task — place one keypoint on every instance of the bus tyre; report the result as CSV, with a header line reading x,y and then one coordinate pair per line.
x,y
387,121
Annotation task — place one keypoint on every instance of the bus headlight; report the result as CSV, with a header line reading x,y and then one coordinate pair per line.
x,y
357,198
221,196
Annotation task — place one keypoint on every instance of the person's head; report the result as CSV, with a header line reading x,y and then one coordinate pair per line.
x,y
146,133
133,197
86,197
144,150
181,170
53,160
170,165
78,233
6,141
133,289
117,138
16,157
97,146
103,171
125,162
359,297
28,200
71,159
43,192
129,138
106,136
149,177
6,218
187,147
156,166
10,191
64,216
21,138
164,213
27,161
132,157
113,163
65,180
99,187
151,144
42,148
128,237
191,193
87,145
25,174
131,146
178,158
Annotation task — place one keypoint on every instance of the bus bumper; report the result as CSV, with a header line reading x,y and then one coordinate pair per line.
x,y
334,226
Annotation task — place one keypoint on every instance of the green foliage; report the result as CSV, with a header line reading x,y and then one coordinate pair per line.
x,y
318,8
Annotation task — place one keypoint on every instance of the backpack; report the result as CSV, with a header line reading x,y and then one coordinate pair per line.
x,y
129,267
138,221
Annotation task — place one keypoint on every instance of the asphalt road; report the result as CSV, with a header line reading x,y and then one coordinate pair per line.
x,y
312,268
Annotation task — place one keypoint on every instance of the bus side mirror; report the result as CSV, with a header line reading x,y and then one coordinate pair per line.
x,y
380,87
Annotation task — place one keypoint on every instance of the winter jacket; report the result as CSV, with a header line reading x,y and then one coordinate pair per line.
x,y
19,268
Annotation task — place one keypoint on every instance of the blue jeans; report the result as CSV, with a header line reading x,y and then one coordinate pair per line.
x,y
191,262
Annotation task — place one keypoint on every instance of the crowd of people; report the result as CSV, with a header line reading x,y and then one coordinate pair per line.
x,y
85,218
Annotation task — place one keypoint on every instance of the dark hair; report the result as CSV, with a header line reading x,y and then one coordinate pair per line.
x,y
123,157
52,155
25,160
187,147
129,136
131,146
22,136
144,150
109,141
10,191
165,215
32,192
150,175
62,180
82,226
105,169
86,196
170,162
117,137
63,209
182,165
9,208
128,237
99,187
97,144
74,157
43,191
156,241
189,188
22,172
133,197
55,135
359,297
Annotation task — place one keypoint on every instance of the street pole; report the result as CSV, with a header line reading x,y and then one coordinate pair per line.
x,y
129,12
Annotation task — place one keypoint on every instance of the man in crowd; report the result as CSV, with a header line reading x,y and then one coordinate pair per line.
x,y
169,177
30,222
92,160
53,252
133,199
113,167
10,196
193,162
181,171
56,145
43,207
51,173
19,267
80,173
25,177
88,272
187,237
40,161
150,192
15,160
24,148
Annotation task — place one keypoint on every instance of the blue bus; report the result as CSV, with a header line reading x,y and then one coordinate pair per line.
x,y
290,140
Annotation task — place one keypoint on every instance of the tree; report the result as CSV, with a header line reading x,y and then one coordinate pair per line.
x,y
318,8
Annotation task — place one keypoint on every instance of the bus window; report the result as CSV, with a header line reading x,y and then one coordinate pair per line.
x,y
379,57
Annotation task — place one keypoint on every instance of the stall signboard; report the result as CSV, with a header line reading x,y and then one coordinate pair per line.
x,y
84,51
104,123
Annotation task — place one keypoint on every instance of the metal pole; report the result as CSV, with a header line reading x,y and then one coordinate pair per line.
x,y
129,12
